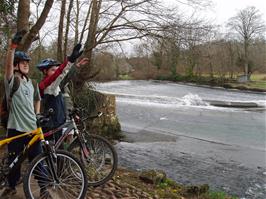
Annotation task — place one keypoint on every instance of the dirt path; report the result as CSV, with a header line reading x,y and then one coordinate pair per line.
x,y
117,188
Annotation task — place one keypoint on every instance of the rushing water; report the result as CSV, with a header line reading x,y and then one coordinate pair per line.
x,y
174,128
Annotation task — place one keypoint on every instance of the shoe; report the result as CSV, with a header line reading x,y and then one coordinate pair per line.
x,y
44,194
8,193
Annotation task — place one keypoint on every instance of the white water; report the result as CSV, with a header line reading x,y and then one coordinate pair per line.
x,y
175,94
234,137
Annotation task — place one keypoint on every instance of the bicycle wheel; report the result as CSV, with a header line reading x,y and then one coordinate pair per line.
x,y
101,163
62,177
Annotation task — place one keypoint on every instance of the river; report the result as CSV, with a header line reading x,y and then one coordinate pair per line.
x,y
174,128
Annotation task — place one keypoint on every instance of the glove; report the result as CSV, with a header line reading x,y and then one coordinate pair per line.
x,y
39,117
76,53
17,38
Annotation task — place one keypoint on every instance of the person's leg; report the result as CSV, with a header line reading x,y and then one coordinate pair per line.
x,y
34,150
14,149
41,173
57,136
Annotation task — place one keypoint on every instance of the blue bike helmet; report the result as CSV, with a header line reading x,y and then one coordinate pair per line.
x,y
20,56
47,63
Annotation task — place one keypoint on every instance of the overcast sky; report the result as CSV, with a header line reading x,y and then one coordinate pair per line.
x,y
224,9
219,14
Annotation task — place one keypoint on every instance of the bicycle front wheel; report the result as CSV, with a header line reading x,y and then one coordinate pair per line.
x,y
62,176
101,162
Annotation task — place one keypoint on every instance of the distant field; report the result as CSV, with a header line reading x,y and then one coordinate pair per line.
x,y
258,77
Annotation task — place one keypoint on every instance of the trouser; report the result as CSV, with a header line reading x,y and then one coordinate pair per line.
x,y
16,147
54,137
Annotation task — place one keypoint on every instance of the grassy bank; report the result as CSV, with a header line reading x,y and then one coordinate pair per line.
x,y
256,83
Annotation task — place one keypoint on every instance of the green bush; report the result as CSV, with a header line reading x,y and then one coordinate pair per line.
x,y
218,195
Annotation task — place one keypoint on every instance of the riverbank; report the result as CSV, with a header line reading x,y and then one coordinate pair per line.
x,y
126,184
254,85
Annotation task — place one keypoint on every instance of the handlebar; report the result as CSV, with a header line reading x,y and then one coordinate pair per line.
x,y
75,113
44,119
79,112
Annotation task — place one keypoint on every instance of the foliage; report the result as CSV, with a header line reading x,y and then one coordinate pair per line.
x,y
125,77
218,195
167,182
92,102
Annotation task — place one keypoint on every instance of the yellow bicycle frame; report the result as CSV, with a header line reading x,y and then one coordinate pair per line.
x,y
37,135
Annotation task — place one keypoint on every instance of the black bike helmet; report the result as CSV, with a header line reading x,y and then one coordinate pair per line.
x,y
47,63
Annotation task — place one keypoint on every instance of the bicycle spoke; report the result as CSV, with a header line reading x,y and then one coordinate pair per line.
x,y
70,182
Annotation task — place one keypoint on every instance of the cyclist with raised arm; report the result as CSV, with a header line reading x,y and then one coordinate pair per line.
x,y
51,94
23,106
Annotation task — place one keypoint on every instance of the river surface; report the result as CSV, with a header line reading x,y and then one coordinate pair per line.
x,y
173,127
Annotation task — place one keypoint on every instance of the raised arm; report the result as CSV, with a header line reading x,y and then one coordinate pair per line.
x,y
12,45
49,80
76,53
9,68
72,72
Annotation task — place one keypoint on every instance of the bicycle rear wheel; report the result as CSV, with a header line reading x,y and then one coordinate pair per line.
x,y
101,163
62,177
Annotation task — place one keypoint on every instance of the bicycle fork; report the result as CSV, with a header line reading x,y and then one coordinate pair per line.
x,y
85,153
52,161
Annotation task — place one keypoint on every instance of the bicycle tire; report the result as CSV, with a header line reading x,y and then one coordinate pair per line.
x,y
102,162
72,181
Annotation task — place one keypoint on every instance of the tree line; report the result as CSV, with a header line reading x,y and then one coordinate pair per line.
x,y
169,42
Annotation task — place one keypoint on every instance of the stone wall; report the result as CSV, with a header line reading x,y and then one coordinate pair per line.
x,y
108,124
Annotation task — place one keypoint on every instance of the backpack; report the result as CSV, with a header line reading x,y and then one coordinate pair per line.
x,y
4,108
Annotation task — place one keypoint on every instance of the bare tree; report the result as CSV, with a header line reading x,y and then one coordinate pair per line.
x,y
77,20
112,21
117,21
7,14
23,14
60,31
248,24
7,22
70,6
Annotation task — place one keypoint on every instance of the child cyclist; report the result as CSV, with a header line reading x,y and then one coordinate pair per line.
x,y
49,86
23,105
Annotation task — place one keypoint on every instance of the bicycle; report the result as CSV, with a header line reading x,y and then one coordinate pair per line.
x,y
57,172
95,152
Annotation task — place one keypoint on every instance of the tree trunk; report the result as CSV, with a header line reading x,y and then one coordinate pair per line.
x,y
85,24
67,26
23,15
246,59
77,23
86,71
31,36
60,32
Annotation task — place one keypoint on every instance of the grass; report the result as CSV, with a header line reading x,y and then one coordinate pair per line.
x,y
258,77
218,195
257,83
125,77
